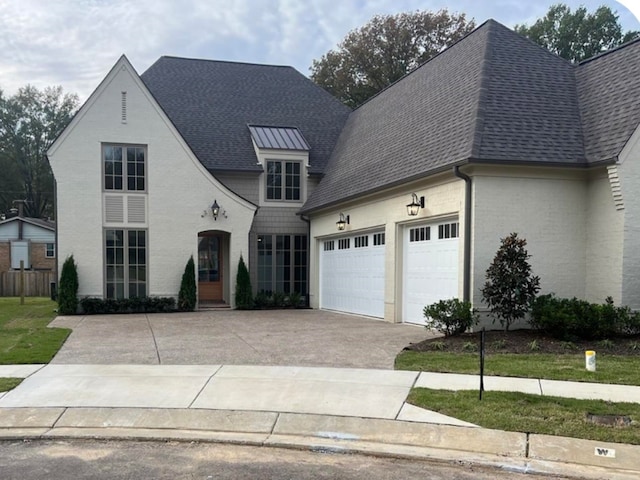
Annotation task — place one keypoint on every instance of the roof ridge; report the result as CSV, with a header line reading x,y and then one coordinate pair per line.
x,y
610,51
446,49
483,90
209,60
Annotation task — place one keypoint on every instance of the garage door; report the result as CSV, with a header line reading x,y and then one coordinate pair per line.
x,y
352,274
430,268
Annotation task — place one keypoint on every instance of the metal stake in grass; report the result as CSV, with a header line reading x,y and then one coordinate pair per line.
x,y
481,362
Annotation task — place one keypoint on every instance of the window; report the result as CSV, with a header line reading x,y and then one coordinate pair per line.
x,y
420,234
282,263
360,242
329,245
378,239
448,230
126,263
344,244
283,180
50,250
124,168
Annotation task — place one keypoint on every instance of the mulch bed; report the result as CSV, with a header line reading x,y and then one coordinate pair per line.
x,y
526,342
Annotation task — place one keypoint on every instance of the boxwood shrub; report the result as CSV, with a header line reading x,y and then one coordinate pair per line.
x,y
95,306
572,318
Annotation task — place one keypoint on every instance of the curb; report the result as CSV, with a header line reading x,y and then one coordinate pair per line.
x,y
512,451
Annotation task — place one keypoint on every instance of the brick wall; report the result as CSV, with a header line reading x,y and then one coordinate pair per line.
x,y
39,260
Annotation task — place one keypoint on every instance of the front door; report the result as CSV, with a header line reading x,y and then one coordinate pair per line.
x,y
210,268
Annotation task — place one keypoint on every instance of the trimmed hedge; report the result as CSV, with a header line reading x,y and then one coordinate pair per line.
x,y
95,306
568,319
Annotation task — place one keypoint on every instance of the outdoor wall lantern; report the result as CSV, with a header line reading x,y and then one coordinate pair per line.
x,y
214,211
342,222
416,204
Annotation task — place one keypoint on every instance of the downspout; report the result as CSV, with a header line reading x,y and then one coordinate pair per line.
x,y
307,302
466,280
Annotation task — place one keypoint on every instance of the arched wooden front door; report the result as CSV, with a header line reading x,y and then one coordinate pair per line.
x,y
210,270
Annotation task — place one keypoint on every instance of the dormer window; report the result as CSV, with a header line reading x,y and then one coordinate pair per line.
x,y
283,180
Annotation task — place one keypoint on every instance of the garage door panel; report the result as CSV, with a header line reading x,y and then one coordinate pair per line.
x,y
430,268
352,279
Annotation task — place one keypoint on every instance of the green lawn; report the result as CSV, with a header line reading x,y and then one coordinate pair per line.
x,y
7,384
24,337
610,368
521,412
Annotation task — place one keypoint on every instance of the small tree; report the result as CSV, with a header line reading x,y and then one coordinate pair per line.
x,y
187,295
451,317
68,289
510,287
244,293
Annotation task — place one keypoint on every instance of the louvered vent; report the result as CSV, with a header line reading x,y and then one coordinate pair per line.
x,y
136,209
123,102
113,209
614,180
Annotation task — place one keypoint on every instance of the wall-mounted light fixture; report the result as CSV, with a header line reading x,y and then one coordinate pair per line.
x,y
342,221
214,211
416,204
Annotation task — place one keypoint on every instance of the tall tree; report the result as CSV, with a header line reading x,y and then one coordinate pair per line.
x,y
29,121
374,56
577,35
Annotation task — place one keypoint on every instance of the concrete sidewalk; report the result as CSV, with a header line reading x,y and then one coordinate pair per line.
x,y
329,408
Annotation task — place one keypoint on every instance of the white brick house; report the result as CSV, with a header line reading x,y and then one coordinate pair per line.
x,y
492,136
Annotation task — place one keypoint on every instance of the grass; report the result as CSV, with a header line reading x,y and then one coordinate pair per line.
x,y
24,336
7,384
624,370
532,413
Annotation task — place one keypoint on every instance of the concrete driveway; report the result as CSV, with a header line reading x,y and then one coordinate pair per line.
x,y
274,337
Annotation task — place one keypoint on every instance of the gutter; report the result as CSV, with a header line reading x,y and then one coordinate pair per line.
x,y
307,302
466,280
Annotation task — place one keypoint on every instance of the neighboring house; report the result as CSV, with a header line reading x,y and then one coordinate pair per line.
x,y
146,159
497,135
31,240
492,136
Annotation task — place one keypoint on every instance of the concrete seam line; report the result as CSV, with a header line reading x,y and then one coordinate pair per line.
x,y
203,387
540,385
153,335
413,384
526,445
64,410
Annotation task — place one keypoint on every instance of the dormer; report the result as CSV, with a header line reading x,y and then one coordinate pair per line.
x,y
283,154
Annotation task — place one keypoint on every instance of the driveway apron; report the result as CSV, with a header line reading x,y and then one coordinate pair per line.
x,y
271,337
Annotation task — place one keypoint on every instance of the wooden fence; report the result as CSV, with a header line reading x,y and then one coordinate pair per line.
x,y
36,284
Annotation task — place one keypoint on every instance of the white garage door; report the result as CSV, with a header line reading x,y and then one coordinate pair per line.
x,y
430,269
352,274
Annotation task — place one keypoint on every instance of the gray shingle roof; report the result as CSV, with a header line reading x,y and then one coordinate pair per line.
x,y
211,103
609,90
494,96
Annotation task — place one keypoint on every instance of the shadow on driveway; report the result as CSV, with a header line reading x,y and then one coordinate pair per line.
x,y
310,338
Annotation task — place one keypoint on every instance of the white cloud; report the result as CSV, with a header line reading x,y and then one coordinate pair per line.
x,y
75,42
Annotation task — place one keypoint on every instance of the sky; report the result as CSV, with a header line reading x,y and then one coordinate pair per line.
x,y
74,43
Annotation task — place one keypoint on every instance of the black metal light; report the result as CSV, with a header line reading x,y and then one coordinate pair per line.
x,y
215,209
416,204
342,222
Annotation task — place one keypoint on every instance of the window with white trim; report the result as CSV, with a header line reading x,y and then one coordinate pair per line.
x,y
378,239
420,234
124,168
50,250
125,263
344,244
361,242
449,230
283,180
282,264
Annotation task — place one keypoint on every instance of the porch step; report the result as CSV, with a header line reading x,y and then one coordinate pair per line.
x,y
213,306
